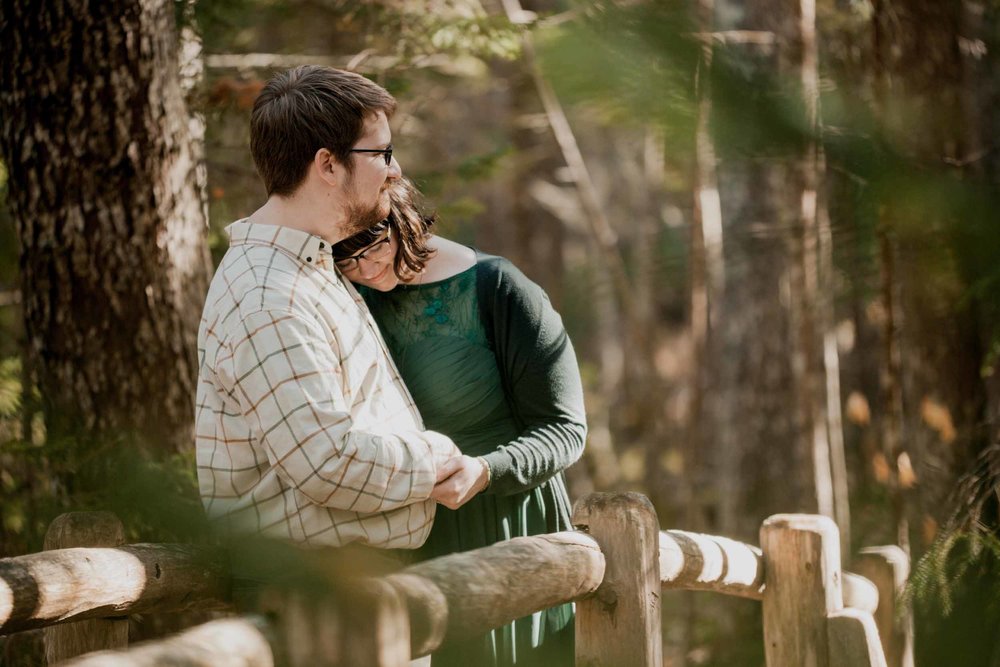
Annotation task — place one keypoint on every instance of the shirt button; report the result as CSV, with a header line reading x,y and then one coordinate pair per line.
x,y
309,259
321,246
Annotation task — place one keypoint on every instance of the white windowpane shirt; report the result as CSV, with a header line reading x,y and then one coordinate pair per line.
x,y
304,429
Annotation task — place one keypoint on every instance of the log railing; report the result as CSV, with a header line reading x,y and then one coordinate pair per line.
x,y
614,567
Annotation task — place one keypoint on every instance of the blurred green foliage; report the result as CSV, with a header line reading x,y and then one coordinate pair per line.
x,y
408,30
157,500
634,63
955,590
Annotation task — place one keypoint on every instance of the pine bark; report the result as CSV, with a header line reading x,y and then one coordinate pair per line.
x,y
105,192
766,353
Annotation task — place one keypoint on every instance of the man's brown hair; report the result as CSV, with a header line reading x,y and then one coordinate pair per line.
x,y
304,109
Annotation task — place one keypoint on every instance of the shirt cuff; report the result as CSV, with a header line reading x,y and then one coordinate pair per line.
x,y
442,447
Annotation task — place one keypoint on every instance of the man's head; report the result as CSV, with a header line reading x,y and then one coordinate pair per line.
x,y
313,116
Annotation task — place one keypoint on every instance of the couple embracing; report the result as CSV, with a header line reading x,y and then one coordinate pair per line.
x,y
367,384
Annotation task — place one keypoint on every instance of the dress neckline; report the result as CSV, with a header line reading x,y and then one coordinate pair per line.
x,y
436,283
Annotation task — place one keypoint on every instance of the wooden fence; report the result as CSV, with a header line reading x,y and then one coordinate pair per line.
x,y
614,566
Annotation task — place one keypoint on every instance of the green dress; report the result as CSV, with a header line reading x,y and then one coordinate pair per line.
x,y
489,364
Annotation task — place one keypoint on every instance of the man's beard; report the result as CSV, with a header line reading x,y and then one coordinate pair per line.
x,y
360,218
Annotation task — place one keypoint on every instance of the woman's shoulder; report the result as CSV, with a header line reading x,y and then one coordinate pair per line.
x,y
500,282
501,269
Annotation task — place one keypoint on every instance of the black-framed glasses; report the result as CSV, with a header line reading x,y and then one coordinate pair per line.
x,y
373,253
386,152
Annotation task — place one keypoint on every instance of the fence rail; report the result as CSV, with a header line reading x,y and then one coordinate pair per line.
x,y
43,589
615,567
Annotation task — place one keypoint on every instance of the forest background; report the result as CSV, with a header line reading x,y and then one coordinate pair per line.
x,y
770,226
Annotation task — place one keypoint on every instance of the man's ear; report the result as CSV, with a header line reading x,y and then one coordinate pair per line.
x,y
327,167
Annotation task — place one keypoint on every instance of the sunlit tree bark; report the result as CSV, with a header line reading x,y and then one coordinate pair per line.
x,y
768,352
105,192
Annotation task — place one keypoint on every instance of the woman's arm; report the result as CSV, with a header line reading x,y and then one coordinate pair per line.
x,y
540,376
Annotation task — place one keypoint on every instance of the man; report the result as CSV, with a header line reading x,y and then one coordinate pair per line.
x,y
304,429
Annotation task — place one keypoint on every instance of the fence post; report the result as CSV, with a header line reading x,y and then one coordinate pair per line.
x,y
619,625
377,628
84,529
363,624
802,588
854,639
888,567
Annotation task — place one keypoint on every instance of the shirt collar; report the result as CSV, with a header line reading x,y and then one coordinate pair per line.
x,y
307,247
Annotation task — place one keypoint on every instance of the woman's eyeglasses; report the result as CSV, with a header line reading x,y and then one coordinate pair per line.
x,y
386,152
373,253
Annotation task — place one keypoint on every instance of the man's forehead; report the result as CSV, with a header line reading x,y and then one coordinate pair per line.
x,y
376,127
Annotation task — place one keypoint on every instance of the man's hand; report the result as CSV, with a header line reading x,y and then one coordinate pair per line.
x,y
459,479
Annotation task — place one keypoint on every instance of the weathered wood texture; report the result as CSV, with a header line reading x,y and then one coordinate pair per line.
x,y
74,584
802,562
230,642
365,625
377,630
620,625
853,640
695,562
465,594
84,529
307,629
859,593
888,568
106,190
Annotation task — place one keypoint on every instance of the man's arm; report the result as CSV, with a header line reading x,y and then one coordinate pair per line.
x,y
285,376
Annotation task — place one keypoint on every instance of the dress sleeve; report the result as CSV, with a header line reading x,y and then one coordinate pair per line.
x,y
285,375
540,376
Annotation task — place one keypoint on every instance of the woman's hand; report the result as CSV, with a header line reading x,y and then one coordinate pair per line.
x,y
459,479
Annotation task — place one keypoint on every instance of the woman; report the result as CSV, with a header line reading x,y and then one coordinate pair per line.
x,y
489,364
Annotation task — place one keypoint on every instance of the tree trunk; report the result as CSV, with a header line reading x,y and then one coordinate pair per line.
x,y
831,371
105,193
707,276
822,377
925,64
804,286
707,280
768,385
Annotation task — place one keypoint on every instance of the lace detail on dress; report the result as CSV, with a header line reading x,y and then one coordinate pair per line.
x,y
445,308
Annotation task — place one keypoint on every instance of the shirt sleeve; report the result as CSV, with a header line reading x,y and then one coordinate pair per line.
x,y
286,378
541,378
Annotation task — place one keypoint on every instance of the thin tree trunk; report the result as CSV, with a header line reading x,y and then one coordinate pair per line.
x,y
823,368
890,371
892,388
707,285
104,191
600,450
831,369
707,282
804,286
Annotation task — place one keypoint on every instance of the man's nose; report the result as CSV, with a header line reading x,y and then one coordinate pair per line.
x,y
395,171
